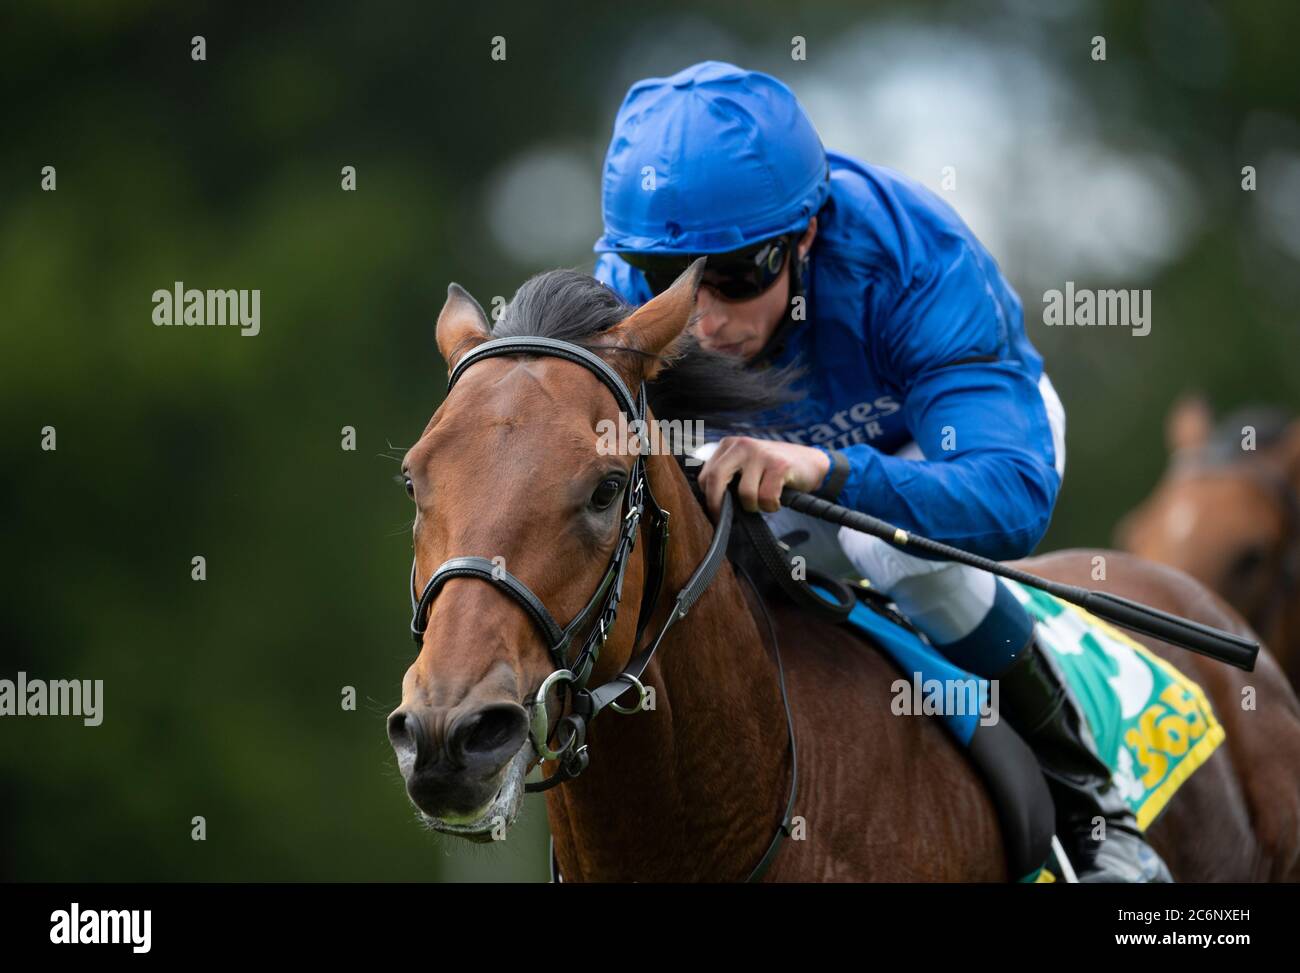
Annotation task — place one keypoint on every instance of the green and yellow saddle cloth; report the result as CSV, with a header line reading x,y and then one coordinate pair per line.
x,y
1151,724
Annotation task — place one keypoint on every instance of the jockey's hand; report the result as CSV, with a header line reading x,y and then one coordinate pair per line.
x,y
765,468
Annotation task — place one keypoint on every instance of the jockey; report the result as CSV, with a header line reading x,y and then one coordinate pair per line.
x,y
925,403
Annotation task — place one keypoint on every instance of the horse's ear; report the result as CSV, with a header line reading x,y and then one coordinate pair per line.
x,y
1189,424
461,325
660,321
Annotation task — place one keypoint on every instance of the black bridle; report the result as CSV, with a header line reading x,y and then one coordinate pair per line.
x,y
601,610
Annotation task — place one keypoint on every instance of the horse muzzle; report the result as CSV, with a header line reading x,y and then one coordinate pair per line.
x,y
467,780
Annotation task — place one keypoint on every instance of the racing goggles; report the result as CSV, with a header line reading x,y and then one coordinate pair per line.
x,y
738,275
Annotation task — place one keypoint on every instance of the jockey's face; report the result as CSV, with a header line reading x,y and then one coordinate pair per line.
x,y
741,328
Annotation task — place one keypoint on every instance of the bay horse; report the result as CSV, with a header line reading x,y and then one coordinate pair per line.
x,y
1229,516
693,788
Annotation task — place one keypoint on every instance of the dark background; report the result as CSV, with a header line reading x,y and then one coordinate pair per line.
x,y
222,699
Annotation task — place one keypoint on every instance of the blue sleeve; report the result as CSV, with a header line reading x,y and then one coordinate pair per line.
x,y
988,482
621,277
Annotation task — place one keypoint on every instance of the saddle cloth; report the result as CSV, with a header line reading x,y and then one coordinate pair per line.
x,y
1150,723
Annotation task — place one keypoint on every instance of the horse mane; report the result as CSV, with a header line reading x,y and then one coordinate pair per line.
x,y
693,383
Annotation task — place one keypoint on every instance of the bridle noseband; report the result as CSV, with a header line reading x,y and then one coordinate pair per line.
x,y
601,611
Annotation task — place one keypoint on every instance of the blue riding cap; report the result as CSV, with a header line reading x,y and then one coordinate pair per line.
x,y
712,159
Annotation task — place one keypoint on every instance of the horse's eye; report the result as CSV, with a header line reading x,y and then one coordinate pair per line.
x,y
606,493
410,487
1248,562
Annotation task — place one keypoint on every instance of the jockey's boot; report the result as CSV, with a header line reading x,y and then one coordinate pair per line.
x,y
1040,709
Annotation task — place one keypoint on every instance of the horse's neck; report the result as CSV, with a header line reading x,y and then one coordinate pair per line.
x,y
694,788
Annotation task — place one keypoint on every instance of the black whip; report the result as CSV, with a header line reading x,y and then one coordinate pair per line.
x,y
1136,617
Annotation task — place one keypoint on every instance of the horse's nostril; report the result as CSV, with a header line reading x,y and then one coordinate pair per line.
x,y
491,734
399,731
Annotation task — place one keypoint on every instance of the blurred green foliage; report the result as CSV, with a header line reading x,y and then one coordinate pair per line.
x,y
222,699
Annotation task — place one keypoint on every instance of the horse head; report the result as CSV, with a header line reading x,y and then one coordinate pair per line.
x,y
1226,512
508,478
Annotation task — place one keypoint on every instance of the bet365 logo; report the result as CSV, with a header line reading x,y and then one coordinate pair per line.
x,y
1166,729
